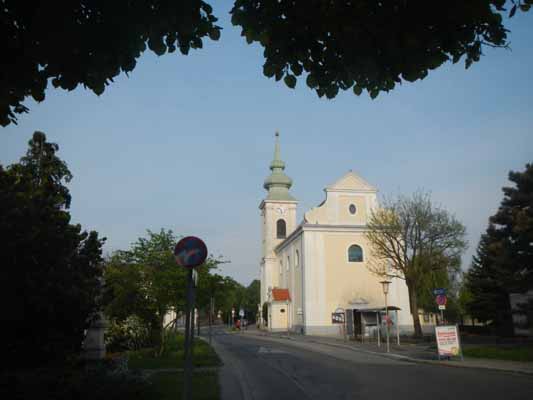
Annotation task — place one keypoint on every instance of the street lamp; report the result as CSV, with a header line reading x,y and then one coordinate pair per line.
x,y
385,285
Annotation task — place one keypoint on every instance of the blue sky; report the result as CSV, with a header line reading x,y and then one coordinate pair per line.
x,y
185,142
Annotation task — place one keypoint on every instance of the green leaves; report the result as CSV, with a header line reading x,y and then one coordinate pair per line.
x,y
337,43
52,266
90,43
214,34
290,81
311,81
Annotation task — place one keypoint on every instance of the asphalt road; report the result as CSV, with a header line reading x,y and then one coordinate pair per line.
x,y
264,368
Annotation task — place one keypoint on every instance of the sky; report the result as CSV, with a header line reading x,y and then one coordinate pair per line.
x,y
184,142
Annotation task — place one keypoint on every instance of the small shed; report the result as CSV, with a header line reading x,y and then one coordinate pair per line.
x,y
279,311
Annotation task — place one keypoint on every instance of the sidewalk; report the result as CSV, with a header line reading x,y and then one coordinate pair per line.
x,y
421,353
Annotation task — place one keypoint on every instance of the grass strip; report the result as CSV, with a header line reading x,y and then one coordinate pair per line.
x,y
523,353
203,356
169,385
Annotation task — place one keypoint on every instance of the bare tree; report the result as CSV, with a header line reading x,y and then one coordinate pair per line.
x,y
414,238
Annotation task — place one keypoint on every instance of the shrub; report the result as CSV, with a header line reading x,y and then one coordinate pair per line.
x,y
128,335
110,380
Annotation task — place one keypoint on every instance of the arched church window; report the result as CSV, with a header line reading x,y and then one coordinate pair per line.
x,y
355,253
281,229
297,259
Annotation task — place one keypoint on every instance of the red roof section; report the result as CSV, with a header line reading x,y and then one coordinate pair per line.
x,y
280,294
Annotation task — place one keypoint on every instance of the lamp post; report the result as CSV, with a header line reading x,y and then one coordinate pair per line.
x,y
385,285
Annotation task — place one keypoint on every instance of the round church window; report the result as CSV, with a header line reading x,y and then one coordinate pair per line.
x,y
352,209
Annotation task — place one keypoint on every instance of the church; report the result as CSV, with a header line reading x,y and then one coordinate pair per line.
x,y
314,275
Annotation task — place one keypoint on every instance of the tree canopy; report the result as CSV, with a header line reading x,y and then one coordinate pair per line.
x,y
412,239
503,263
89,42
145,282
50,268
336,45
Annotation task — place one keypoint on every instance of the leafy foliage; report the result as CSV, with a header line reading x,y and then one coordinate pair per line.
x,y
365,44
414,240
336,45
51,269
104,381
441,278
504,260
89,42
144,282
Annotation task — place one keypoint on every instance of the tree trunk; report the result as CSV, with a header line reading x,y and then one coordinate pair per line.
x,y
162,333
413,303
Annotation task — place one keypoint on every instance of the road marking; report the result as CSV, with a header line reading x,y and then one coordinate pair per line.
x,y
266,350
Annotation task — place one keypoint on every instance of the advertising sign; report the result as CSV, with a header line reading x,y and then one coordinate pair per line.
x,y
448,340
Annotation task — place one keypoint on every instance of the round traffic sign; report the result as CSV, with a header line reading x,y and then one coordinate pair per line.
x,y
190,252
441,299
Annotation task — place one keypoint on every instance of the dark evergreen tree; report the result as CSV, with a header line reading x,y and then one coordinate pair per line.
x,y
504,260
513,224
51,271
488,300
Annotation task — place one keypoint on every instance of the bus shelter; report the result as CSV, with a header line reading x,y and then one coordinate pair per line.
x,y
368,322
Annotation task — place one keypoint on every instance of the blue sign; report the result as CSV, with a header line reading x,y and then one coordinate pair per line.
x,y
439,291
190,252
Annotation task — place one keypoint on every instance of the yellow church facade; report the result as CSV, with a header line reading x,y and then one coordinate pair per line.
x,y
313,269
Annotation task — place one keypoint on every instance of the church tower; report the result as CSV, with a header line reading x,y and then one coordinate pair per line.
x,y
278,214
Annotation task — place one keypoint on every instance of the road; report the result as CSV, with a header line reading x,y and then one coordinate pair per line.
x,y
260,368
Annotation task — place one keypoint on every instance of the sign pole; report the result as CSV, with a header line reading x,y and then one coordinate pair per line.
x,y
190,252
189,328
388,333
210,317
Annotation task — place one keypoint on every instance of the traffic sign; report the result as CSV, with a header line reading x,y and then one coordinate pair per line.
x,y
442,307
241,313
190,252
441,299
439,291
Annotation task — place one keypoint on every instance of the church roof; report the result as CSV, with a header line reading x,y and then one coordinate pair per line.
x,y
280,294
351,182
277,183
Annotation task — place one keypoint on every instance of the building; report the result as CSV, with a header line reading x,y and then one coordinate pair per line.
x,y
318,267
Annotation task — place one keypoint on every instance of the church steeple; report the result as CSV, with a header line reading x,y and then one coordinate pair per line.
x,y
277,183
